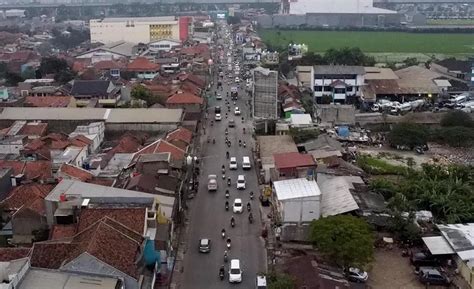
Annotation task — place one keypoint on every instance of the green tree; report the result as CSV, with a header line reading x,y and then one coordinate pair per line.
x,y
141,92
457,118
455,136
280,281
53,65
12,79
410,61
347,240
408,134
303,135
29,73
64,76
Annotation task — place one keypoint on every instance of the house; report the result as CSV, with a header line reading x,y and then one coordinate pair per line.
x,y
163,45
25,210
337,197
294,165
456,240
341,83
50,101
27,171
187,101
109,68
301,121
180,137
162,146
112,51
94,132
68,194
323,147
154,184
153,164
102,90
94,250
12,144
67,171
144,68
298,202
270,145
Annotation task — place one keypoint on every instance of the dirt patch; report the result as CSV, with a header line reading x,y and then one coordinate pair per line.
x,y
392,271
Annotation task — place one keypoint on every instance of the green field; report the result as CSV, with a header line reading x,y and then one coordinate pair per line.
x,y
375,42
457,22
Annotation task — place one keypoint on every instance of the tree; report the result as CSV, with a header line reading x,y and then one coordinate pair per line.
x,y
64,76
142,93
457,118
29,73
455,136
53,65
347,240
408,135
280,281
410,61
12,79
303,135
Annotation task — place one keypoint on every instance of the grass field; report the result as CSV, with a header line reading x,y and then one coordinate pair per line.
x,y
375,42
456,22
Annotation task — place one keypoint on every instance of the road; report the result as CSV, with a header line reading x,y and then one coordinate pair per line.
x,y
207,214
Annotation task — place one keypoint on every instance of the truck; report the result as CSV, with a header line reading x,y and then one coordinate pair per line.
x,y
212,183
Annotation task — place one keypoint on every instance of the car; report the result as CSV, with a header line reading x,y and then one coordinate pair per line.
x,y
241,182
212,183
204,245
237,207
217,109
218,117
237,80
235,272
357,275
432,276
237,111
233,163
261,282
231,123
219,96
423,259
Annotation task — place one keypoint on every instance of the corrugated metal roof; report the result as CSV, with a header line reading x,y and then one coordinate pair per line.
x,y
336,195
461,239
438,245
296,188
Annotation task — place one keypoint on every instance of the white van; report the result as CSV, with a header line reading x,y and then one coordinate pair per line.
x,y
246,165
235,273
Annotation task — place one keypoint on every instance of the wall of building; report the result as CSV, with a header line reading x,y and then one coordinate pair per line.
x,y
132,31
301,210
265,95
465,272
117,127
329,20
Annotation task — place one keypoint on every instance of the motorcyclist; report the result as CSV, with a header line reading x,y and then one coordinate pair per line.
x,y
225,256
227,154
244,130
245,145
251,195
248,206
223,168
240,142
228,241
232,220
229,181
226,205
250,217
223,232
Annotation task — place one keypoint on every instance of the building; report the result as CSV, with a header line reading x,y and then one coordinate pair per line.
x,y
103,90
12,144
137,29
453,67
163,45
265,94
112,51
143,68
270,145
187,101
294,165
94,131
298,202
339,82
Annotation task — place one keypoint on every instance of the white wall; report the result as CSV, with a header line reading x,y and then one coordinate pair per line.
x,y
301,210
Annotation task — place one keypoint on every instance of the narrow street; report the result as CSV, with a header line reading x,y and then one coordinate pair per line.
x,y
207,214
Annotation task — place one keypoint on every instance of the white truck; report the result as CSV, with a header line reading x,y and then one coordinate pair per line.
x,y
212,183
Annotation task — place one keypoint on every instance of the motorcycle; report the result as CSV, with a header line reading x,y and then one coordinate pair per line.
x,y
228,182
214,141
250,218
227,155
223,170
225,257
228,243
244,130
251,195
227,195
227,206
249,207
232,223
221,274
223,176
240,143
223,233
245,145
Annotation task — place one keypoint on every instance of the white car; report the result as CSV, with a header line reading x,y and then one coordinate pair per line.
x,y
219,96
218,117
235,273
238,207
357,275
233,163
237,80
241,182
237,111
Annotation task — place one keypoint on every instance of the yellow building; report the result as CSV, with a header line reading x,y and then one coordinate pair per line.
x,y
134,29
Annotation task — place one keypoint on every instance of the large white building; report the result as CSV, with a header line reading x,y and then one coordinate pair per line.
x,y
265,93
137,29
336,6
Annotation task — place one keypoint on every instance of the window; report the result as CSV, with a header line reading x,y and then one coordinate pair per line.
x,y
340,90
327,88
349,89
318,88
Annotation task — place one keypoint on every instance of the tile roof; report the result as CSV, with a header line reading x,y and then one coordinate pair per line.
x,y
103,240
293,160
27,196
182,134
48,101
454,64
10,254
32,170
190,87
196,80
161,146
128,144
76,173
80,140
184,98
142,64
132,218
108,64
34,129
143,183
62,231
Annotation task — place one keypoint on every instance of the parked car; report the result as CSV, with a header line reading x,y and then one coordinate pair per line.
x,y
423,259
432,276
357,275
204,245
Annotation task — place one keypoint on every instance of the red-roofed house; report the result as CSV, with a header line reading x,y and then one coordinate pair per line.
x,y
26,210
50,101
110,67
32,171
106,245
162,146
144,68
34,130
10,254
185,100
67,171
59,232
191,78
293,165
180,137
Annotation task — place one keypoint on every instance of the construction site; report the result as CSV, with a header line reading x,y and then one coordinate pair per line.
x,y
265,94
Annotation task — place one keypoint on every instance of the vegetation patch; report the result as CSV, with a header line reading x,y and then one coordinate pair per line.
x,y
377,166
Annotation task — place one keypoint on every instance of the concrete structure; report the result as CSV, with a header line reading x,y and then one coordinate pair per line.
x,y
336,6
298,202
12,144
94,131
148,119
134,29
163,45
265,94
342,83
270,145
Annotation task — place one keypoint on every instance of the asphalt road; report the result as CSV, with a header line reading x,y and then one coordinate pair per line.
x,y
207,214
